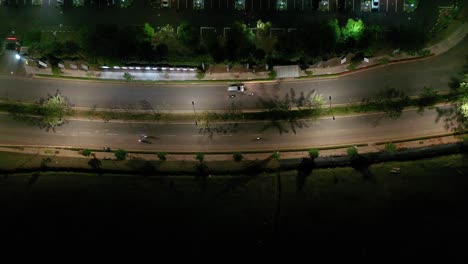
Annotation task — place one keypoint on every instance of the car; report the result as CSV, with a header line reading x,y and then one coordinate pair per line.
x,y
236,88
165,3
375,4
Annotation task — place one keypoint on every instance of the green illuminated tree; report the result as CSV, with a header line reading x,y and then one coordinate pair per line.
x,y
353,30
336,28
263,27
148,32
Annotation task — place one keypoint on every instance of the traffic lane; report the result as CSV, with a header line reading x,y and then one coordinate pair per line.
x,y
224,137
115,95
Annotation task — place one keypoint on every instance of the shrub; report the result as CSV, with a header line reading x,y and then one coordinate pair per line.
x,y
353,66
237,156
390,147
161,155
313,153
272,74
424,52
384,61
200,156
120,154
200,74
86,152
275,155
128,77
352,152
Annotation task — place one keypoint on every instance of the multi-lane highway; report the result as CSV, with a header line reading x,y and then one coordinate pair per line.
x,y
224,137
410,77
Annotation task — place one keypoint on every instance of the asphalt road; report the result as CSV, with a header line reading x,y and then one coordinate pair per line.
x,y
410,77
225,137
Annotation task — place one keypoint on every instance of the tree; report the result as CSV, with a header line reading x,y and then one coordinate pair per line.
x,y
162,156
200,156
148,32
71,48
162,50
166,32
237,156
275,155
316,101
187,35
239,42
352,152
120,154
263,28
259,56
353,30
313,153
53,110
390,147
86,152
333,24
31,37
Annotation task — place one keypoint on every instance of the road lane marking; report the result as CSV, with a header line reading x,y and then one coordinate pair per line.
x,y
112,134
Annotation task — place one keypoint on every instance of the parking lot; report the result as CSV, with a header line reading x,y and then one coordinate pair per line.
x,y
240,5
286,5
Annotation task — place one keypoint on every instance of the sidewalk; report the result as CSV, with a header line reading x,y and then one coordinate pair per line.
x,y
333,66
369,148
240,72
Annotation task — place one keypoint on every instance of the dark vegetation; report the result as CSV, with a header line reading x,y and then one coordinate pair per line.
x,y
359,212
183,45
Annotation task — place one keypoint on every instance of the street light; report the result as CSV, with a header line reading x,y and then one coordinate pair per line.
x,y
329,98
17,56
195,113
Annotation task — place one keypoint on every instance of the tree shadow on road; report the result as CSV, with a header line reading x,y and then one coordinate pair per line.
x,y
453,120
281,115
211,124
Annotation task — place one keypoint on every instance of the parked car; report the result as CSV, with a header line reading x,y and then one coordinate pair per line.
x,y
375,4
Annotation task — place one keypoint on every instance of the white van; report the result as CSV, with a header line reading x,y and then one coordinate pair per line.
x,y
236,88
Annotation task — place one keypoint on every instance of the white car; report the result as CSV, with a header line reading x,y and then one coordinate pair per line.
x,y
236,88
165,3
375,4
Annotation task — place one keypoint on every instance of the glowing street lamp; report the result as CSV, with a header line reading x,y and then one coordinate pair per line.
x,y
17,56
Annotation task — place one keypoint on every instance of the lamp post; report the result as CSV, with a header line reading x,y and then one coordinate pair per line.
x,y
195,113
329,98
